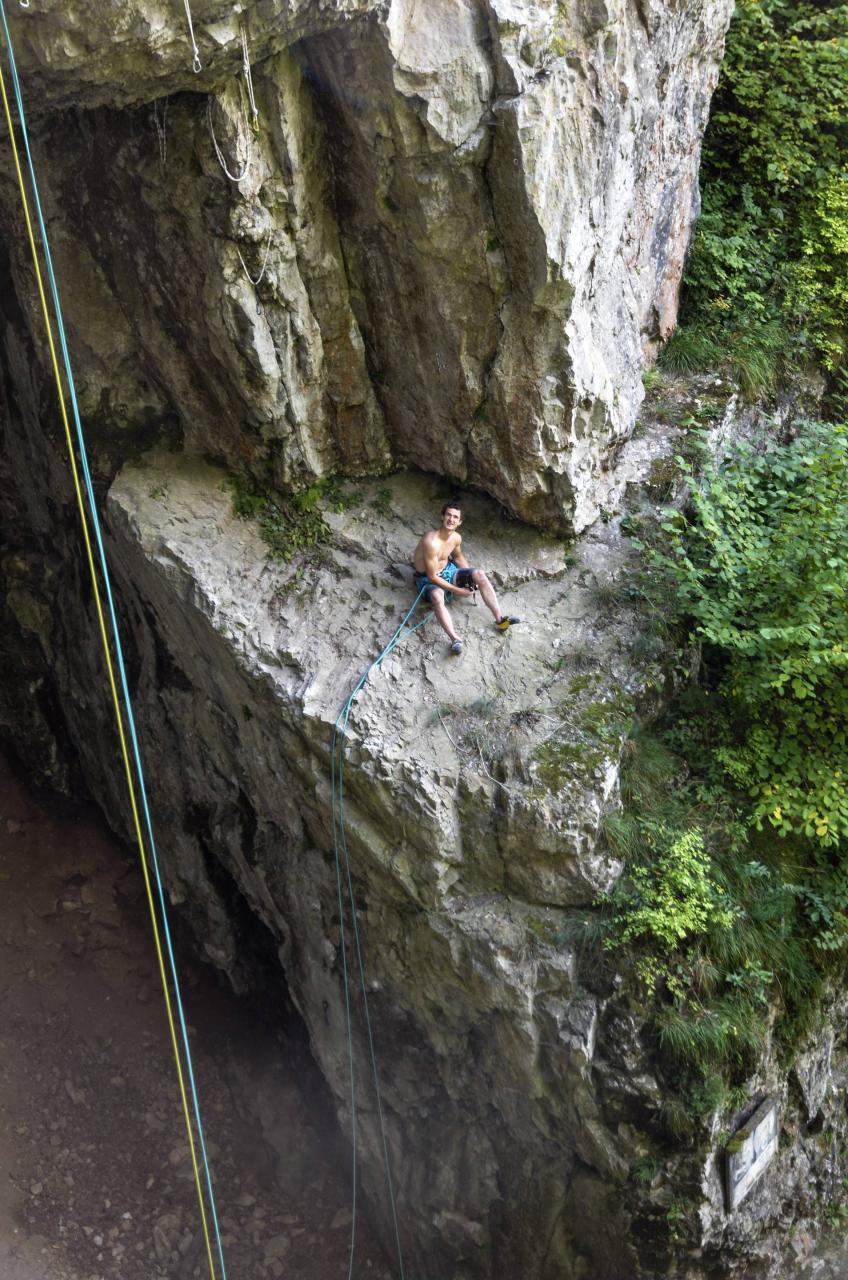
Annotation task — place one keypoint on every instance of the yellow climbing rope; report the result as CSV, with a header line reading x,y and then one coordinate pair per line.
x,y
131,786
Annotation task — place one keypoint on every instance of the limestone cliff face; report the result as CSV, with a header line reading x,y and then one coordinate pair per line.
x,y
472,216
474,792
467,220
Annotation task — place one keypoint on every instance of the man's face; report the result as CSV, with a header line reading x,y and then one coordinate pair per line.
x,y
451,519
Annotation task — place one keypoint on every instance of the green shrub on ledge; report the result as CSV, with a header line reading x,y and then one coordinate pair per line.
x,y
669,899
294,523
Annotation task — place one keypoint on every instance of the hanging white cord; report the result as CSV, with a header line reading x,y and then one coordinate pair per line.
x,y
233,177
249,78
258,279
161,130
195,66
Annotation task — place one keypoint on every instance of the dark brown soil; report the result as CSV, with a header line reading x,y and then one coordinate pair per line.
x,y
95,1179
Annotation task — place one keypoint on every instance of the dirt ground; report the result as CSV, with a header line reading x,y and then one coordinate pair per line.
x,y
95,1178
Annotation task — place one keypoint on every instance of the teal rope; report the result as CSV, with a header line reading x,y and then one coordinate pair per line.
x,y
340,852
116,638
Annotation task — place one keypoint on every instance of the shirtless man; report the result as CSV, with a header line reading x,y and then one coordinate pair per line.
x,y
440,566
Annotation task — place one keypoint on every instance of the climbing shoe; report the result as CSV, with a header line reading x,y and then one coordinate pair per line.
x,y
506,622
456,647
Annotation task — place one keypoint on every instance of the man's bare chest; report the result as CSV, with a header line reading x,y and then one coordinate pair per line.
x,y
444,550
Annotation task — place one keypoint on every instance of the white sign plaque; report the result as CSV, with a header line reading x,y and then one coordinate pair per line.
x,y
750,1150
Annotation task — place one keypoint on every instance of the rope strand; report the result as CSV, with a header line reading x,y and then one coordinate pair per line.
x,y
196,63
258,279
219,153
248,76
161,130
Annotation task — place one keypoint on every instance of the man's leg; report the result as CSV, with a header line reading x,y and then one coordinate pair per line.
x,y
437,600
487,591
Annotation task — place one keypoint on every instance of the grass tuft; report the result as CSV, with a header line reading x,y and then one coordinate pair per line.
x,y
753,357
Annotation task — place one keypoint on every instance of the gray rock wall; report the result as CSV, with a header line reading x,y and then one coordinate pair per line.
x,y
474,216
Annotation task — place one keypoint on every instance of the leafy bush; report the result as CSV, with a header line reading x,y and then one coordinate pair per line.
x,y
768,277
760,568
668,899
728,931
733,904
819,290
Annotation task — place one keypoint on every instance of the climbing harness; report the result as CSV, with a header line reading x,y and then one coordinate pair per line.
x,y
196,63
122,704
341,855
258,279
233,177
161,129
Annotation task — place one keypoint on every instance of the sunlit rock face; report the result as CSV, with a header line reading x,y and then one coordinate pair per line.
x,y
468,220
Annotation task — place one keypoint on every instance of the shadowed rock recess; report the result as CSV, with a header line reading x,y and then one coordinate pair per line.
x,y
468,222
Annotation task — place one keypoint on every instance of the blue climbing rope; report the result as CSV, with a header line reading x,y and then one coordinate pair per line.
x,y
116,639
340,852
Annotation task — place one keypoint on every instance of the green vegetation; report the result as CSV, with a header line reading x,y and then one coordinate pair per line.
x,y
644,1170
382,502
767,283
675,1217
836,1213
293,524
760,568
733,906
669,898
729,929
586,737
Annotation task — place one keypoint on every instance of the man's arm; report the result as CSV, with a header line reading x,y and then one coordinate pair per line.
x,y
458,558
431,560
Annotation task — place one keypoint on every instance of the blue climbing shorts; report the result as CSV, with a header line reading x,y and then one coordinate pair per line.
x,y
451,573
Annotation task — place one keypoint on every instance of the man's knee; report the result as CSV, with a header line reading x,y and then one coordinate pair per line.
x,y
437,596
478,577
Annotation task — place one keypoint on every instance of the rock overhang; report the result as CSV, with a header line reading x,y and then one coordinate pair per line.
x,y
473,228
